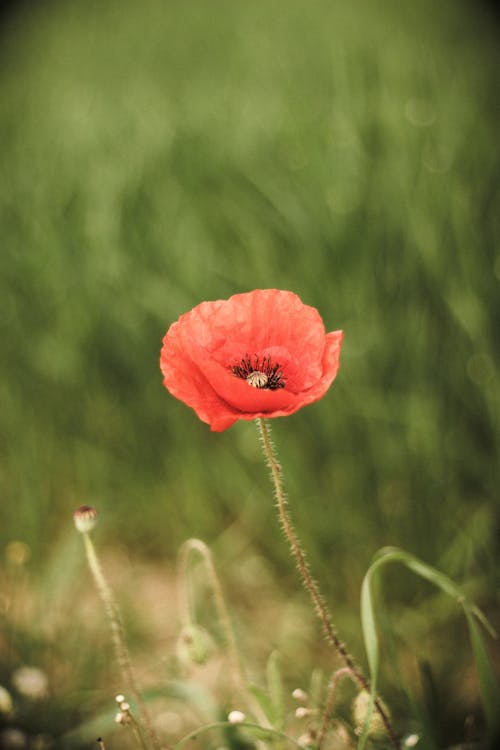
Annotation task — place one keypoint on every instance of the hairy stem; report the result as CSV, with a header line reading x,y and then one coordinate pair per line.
x,y
307,579
338,675
118,638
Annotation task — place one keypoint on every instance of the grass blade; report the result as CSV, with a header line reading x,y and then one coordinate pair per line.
x,y
487,679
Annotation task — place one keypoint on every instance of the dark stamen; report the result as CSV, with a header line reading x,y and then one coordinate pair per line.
x,y
259,372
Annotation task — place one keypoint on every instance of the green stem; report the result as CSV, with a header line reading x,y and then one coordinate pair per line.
x,y
196,545
118,638
245,725
237,671
307,579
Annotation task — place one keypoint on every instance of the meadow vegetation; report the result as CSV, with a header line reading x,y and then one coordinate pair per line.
x,y
155,155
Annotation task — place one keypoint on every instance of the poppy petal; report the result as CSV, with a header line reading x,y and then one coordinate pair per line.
x,y
208,352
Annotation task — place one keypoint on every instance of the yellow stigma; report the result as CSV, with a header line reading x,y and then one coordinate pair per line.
x,y
257,379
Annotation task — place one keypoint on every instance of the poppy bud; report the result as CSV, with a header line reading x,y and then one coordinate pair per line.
x,y
85,518
195,645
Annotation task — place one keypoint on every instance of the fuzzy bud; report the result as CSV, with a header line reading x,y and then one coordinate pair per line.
x,y
195,645
302,712
85,518
411,740
308,739
360,707
300,695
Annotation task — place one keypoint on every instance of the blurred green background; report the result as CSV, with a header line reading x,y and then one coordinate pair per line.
x,y
156,155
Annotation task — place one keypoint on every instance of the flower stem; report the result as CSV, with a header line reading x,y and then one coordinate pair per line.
x,y
338,675
266,730
237,671
307,579
118,638
196,545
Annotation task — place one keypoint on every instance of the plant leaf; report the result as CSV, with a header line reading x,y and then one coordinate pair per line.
x,y
489,688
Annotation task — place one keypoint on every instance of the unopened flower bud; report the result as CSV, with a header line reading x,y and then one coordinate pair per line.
x,y
300,695
31,682
13,739
360,707
17,553
85,518
5,701
195,645
302,712
236,717
411,740
308,739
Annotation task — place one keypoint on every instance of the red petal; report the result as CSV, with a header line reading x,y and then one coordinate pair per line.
x,y
199,350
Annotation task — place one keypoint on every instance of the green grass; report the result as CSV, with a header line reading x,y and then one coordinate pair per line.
x,y
156,156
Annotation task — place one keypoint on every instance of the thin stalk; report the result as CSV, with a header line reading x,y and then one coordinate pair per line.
x,y
136,729
237,671
338,675
196,545
310,584
118,638
244,725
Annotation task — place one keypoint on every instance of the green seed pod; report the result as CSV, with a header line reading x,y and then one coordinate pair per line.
x,y
195,645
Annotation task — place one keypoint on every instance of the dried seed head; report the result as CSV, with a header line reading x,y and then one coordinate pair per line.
x,y
85,518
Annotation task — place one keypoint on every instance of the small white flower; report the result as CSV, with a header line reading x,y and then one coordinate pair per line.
x,y
307,739
13,739
411,740
236,717
31,682
5,701
300,695
301,712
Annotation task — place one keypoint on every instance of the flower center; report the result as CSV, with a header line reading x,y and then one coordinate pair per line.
x,y
260,372
257,379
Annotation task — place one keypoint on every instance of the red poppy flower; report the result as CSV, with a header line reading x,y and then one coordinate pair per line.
x,y
259,354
